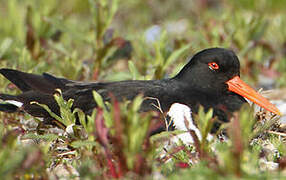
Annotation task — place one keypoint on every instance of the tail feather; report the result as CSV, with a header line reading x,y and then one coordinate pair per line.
x,y
5,97
37,88
12,104
8,108
16,78
26,82
40,88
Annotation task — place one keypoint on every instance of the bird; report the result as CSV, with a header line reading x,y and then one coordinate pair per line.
x,y
211,79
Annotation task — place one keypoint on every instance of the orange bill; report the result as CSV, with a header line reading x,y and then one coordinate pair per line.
x,y
239,87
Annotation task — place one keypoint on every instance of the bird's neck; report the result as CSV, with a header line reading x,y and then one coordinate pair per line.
x,y
222,103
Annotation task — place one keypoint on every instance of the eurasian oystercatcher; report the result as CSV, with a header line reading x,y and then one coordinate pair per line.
x,y
211,79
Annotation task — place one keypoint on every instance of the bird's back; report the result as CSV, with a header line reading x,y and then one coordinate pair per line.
x,y
40,88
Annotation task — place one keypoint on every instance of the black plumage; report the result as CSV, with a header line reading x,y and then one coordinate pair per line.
x,y
196,84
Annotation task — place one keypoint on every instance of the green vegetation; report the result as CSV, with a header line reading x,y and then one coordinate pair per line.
x,y
105,40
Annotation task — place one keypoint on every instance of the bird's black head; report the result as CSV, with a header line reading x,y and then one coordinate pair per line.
x,y
214,74
209,70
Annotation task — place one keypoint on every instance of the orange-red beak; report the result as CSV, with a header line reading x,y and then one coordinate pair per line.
x,y
238,86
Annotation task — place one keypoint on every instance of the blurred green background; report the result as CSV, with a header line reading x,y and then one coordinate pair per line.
x,y
109,40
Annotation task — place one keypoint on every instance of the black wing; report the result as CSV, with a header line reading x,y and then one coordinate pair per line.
x,y
40,88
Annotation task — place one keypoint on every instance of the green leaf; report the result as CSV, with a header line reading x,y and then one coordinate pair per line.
x,y
98,99
45,137
112,11
78,144
67,117
137,103
5,45
175,55
133,70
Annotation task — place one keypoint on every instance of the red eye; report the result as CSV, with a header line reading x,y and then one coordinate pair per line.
x,y
213,65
